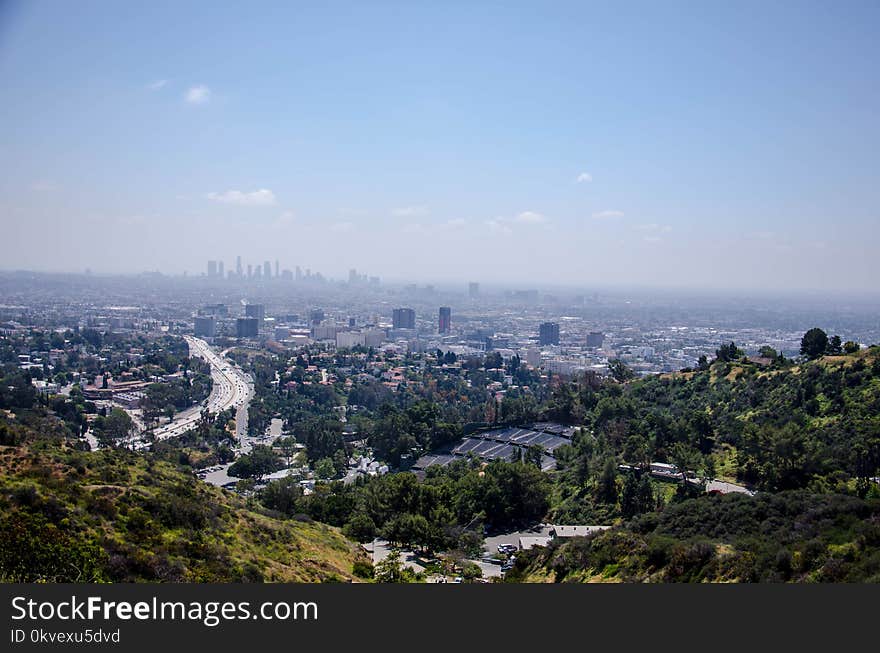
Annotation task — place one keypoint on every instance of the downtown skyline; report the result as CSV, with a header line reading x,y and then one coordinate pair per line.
x,y
640,146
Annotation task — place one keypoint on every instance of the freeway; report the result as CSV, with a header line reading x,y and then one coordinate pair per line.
x,y
232,388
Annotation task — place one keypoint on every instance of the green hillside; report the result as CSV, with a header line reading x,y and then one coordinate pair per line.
x,y
805,436
113,515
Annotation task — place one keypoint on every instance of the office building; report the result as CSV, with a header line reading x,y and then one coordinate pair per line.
x,y
257,311
220,269
212,269
595,339
247,327
238,266
204,327
277,274
548,334
267,269
445,320
473,289
316,316
403,318
250,271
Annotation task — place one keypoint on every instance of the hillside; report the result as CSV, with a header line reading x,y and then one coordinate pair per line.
x,y
113,515
793,536
805,436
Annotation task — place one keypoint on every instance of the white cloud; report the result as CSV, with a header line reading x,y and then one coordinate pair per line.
x,y
342,227
197,95
608,215
409,211
159,83
584,177
654,227
503,225
530,217
286,219
262,197
499,225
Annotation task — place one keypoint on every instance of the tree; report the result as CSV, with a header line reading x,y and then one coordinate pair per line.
x,y
768,352
116,427
287,446
728,352
850,347
834,346
607,489
619,371
684,457
325,468
360,528
814,343
390,570
259,462
703,363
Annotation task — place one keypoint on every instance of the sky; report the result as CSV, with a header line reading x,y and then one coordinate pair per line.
x,y
706,145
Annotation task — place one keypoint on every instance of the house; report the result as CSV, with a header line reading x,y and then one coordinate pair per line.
x,y
529,541
664,470
575,531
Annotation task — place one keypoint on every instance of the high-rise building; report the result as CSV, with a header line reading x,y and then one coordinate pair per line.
x,y
250,271
267,269
595,339
204,327
316,316
277,273
473,289
352,276
548,333
220,269
257,311
247,327
238,266
299,273
445,321
403,318
212,269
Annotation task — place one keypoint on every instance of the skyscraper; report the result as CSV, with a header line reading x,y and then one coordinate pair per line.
x,y
238,266
204,326
473,289
267,269
212,269
403,318
445,321
548,333
277,273
250,271
257,311
247,327
220,269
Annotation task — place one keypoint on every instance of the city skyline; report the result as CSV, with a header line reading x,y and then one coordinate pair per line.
x,y
656,146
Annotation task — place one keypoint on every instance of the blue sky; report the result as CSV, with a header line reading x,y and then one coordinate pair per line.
x,y
705,144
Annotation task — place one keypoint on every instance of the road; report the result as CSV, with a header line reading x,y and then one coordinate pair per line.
x,y
232,388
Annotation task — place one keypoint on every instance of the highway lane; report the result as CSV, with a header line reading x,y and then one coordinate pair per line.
x,y
232,388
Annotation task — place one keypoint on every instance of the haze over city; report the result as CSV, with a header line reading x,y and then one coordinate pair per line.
x,y
710,146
